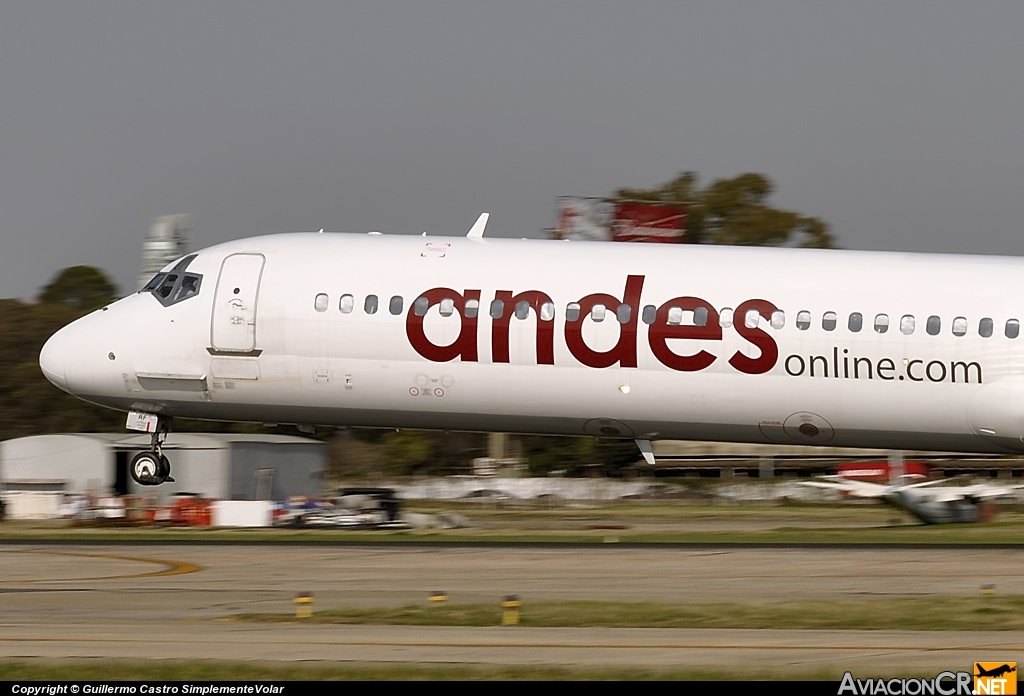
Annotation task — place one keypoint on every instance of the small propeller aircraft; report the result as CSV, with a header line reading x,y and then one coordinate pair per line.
x,y
925,500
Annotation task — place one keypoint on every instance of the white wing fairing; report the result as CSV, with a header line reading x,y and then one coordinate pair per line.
x,y
634,341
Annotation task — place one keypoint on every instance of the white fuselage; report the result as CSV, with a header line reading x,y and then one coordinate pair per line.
x,y
296,343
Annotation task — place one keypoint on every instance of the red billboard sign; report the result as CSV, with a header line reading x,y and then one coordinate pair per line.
x,y
603,220
636,221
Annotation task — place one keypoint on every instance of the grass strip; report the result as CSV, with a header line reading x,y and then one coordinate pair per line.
x,y
984,613
205,671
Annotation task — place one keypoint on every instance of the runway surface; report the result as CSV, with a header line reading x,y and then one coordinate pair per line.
x,y
142,602
578,647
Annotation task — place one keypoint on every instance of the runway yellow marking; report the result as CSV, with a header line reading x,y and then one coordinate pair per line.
x,y
170,568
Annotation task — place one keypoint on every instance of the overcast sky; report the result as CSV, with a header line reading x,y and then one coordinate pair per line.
x,y
900,124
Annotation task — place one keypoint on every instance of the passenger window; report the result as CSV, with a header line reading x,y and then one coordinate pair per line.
x,y
803,320
933,326
725,317
778,319
472,308
522,309
320,303
855,322
985,327
547,311
623,313
828,321
908,324
370,304
395,306
497,309
572,311
689,317
650,313
751,319
960,326
881,323
1012,328
597,313
447,307
419,307
346,303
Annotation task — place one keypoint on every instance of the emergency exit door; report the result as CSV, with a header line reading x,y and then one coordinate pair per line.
x,y
233,326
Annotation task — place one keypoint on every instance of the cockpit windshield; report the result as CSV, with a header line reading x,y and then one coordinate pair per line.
x,y
174,286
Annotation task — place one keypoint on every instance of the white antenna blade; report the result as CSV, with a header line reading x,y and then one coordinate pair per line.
x,y
477,231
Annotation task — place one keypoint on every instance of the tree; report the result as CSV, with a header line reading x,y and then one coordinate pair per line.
x,y
83,288
735,211
29,404
577,456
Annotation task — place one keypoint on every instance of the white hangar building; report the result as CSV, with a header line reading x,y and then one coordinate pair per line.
x,y
221,466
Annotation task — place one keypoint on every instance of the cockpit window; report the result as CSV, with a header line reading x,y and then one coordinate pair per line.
x,y
155,283
166,287
175,286
189,287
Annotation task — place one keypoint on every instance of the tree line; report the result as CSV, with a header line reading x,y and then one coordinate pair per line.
x,y
735,211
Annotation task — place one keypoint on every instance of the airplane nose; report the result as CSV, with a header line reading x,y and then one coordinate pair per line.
x,y
51,359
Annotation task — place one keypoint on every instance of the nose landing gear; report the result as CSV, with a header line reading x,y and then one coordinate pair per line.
x,y
152,468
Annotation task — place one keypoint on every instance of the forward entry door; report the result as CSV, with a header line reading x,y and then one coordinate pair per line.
x,y
233,327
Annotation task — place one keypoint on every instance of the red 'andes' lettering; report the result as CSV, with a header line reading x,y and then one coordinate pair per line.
x,y
500,326
624,351
463,347
660,331
769,349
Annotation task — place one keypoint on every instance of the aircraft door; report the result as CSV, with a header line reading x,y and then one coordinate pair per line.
x,y
233,325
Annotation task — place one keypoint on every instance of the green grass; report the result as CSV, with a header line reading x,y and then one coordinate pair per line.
x,y
989,613
195,671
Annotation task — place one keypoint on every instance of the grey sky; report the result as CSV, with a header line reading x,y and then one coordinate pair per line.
x,y
898,123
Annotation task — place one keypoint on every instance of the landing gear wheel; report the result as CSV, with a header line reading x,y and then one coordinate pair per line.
x,y
164,474
146,468
151,468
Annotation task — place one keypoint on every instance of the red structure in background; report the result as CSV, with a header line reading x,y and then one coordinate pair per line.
x,y
879,471
605,220
186,510
636,221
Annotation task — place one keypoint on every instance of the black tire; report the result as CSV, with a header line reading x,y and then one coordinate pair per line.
x,y
145,469
165,468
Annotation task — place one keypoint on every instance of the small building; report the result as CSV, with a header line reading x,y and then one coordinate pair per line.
x,y
220,466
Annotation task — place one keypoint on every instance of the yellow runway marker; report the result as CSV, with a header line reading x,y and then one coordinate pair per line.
x,y
170,568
